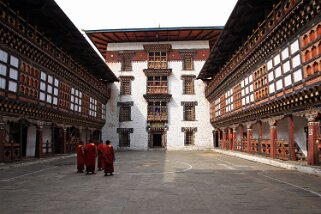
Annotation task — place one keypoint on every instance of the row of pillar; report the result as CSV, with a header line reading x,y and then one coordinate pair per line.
x,y
313,135
39,140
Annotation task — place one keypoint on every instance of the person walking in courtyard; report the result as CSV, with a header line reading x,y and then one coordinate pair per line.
x,y
80,157
101,147
109,158
90,153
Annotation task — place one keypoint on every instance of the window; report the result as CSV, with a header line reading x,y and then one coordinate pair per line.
x,y
75,100
8,71
157,84
157,60
49,88
188,84
125,85
124,136
189,111
92,107
103,111
188,63
125,111
189,138
126,63
157,111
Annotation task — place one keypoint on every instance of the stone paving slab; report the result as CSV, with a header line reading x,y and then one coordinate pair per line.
x,y
160,182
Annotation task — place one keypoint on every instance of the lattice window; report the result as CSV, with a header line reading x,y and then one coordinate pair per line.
x,y
103,111
75,100
189,111
49,88
188,84
126,65
124,136
157,110
9,73
217,108
125,85
188,63
157,60
247,90
125,111
92,107
189,135
229,106
157,84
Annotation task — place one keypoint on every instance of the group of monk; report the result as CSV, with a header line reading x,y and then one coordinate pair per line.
x,y
86,156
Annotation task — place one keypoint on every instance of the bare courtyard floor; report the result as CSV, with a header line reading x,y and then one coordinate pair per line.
x,y
159,182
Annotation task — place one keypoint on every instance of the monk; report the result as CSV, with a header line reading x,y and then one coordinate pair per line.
x,y
80,157
90,152
109,158
101,147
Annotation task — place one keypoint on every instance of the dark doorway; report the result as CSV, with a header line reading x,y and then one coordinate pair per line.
x,y
157,140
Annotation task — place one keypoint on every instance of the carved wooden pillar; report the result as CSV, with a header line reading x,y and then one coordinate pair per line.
x,y
273,137
313,134
39,141
2,139
234,140
249,137
64,141
242,133
291,138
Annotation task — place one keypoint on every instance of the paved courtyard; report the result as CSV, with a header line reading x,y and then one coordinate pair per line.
x,y
159,182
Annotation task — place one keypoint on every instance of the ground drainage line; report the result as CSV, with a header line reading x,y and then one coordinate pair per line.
x,y
293,185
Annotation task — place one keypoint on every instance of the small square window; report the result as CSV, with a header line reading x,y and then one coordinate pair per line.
x,y
288,80
286,67
14,61
13,74
294,47
271,88
276,59
297,75
269,64
279,84
3,70
12,86
43,76
271,76
42,96
2,83
50,79
285,53
278,72
296,61
3,56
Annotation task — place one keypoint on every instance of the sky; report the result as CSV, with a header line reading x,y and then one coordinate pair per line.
x,y
116,14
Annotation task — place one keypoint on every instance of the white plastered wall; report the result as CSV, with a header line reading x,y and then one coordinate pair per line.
x,y
299,134
175,137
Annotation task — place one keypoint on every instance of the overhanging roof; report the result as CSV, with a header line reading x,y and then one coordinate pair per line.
x,y
101,38
244,18
47,16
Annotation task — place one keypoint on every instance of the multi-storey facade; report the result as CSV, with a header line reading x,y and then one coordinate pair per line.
x,y
265,80
158,103
53,85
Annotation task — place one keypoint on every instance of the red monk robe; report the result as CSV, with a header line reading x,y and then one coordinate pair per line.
x,y
109,158
80,158
90,151
101,147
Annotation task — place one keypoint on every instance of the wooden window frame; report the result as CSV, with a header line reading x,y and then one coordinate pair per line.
x,y
92,107
124,133
125,111
125,85
75,94
9,66
189,135
157,86
189,111
188,84
53,84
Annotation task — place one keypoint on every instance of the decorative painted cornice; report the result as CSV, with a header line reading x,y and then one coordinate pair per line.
x,y
157,47
125,130
158,97
152,72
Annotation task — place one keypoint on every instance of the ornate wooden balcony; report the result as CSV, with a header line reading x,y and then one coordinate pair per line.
x,y
157,90
163,117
